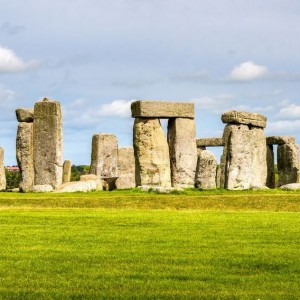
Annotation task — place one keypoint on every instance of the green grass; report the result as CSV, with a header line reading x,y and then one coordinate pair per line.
x,y
132,245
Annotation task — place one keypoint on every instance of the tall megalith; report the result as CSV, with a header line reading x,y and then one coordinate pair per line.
x,y
2,171
47,143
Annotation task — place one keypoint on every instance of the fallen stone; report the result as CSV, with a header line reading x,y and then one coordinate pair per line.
x,y
151,151
162,109
280,140
104,158
47,143
160,189
42,188
24,154
2,171
77,186
89,177
126,168
290,187
245,118
25,115
206,170
210,142
183,151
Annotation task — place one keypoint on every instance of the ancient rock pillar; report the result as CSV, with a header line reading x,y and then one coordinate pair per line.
x,y
206,170
270,167
104,158
47,143
183,151
151,151
287,163
2,171
67,171
243,163
126,168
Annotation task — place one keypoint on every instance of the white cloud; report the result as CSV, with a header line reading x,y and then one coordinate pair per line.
x,y
248,71
11,63
119,108
290,111
216,104
285,127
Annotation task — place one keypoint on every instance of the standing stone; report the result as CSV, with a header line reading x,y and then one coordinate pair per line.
x,y
104,159
24,153
243,162
2,171
270,166
67,171
206,170
47,143
126,169
183,151
151,151
287,163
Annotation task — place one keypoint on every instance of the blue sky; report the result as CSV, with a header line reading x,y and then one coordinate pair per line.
x,y
96,56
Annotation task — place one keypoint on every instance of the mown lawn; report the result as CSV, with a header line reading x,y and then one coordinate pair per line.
x,y
131,245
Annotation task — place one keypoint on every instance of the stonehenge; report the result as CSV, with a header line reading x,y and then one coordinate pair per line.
x,y
162,162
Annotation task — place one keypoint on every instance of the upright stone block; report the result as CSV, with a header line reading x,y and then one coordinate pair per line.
x,y
287,163
270,167
126,168
183,151
47,143
104,159
151,151
67,171
206,171
243,162
24,153
2,171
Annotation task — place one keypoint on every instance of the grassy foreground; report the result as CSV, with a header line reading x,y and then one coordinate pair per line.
x,y
131,245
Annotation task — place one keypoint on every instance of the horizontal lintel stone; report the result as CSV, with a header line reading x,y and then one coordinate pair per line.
x,y
280,140
162,109
210,142
246,118
24,115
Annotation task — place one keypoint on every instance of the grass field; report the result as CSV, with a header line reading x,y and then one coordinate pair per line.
x,y
133,245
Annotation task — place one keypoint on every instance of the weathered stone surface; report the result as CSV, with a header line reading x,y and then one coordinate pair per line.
x,y
206,170
89,177
160,189
67,171
209,142
77,186
104,158
24,153
183,151
287,163
24,115
243,163
109,183
162,109
270,167
2,171
280,140
246,118
290,187
42,188
47,143
126,168
151,151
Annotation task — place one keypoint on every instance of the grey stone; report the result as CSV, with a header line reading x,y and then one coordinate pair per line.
x,y
243,163
246,118
104,158
183,151
77,186
160,189
47,143
42,188
290,187
89,177
24,153
270,167
67,171
162,109
151,151
206,170
126,168
280,140
25,115
287,163
209,142
2,171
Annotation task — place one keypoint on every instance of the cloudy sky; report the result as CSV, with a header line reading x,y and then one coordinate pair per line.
x,y
95,56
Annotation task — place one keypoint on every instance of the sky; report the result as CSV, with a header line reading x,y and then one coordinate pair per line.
x,y
97,56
